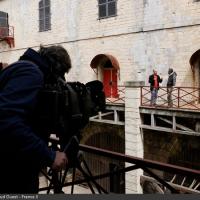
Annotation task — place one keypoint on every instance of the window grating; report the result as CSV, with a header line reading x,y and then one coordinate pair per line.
x,y
107,8
44,15
3,19
4,23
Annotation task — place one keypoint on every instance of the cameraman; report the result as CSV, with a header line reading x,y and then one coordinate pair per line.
x,y
23,152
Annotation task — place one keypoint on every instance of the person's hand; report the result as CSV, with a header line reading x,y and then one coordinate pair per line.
x,y
60,161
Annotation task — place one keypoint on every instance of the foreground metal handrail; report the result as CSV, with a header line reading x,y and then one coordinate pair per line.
x,y
143,163
138,163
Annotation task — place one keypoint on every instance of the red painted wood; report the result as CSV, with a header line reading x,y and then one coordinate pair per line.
x,y
110,83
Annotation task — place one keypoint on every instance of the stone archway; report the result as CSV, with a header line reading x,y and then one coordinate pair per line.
x,y
110,137
177,149
107,69
195,65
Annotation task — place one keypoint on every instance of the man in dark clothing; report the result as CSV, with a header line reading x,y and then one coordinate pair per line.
x,y
154,81
23,153
170,84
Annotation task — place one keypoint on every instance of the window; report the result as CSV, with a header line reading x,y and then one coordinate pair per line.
x,y
107,8
44,15
4,29
3,19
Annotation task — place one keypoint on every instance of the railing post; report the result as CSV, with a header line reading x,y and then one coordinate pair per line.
x,y
99,115
141,95
133,134
178,97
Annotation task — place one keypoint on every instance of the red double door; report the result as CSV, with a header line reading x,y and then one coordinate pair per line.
x,y
110,82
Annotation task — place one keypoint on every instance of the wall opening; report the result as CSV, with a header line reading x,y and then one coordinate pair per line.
x,y
195,66
110,137
176,149
107,70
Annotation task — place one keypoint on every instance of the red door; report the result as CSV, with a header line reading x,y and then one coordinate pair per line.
x,y
110,83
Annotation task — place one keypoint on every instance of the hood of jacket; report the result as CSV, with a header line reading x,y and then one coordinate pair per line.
x,y
34,56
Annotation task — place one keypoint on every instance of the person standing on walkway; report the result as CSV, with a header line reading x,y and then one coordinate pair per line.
x,y
170,84
154,81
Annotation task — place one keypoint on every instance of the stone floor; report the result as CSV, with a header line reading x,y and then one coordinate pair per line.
x,y
78,189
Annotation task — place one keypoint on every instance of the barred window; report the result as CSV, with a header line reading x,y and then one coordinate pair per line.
x,y
4,27
44,15
107,8
3,19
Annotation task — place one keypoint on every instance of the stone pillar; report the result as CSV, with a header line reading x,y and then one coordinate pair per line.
x,y
133,135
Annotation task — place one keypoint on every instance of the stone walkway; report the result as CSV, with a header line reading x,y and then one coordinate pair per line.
x,y
78,189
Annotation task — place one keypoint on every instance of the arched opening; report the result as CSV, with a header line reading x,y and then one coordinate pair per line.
x,y
100,165
107,70
186,155
195,65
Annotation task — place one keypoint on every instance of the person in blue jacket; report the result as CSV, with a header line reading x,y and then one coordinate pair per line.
x,y
23,152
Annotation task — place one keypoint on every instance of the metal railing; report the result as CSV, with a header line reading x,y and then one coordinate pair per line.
x,y
120,99
6,32
148,166
182,97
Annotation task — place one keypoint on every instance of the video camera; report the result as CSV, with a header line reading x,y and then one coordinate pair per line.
x,y
64,108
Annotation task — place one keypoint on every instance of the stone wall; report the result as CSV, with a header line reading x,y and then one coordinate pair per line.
x,y
142,36
145,34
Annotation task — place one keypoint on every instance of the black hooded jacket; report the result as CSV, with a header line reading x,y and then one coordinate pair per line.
x,y
20,146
